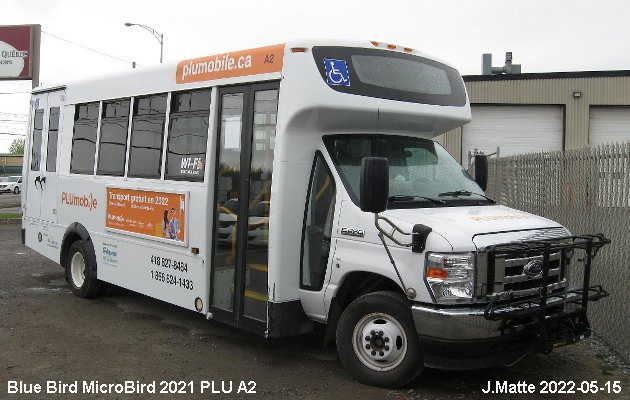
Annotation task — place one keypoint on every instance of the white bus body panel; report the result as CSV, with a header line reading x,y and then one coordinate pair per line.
x,y
304,117
321,111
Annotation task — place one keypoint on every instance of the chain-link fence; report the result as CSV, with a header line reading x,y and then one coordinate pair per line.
x,y
588,191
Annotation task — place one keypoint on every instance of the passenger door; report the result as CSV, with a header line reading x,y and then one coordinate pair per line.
x,y
246,139
40,185
32,184
49,196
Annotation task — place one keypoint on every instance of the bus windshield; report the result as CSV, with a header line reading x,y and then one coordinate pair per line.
x,y
420,172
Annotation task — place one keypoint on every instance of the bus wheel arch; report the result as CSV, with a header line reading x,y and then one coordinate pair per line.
x,y
78,258
354,285
358,283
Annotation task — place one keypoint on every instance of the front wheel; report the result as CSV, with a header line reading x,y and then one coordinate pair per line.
x,y
377,341
78,265
16,190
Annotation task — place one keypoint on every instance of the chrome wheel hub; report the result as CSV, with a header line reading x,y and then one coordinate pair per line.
x,y
379,342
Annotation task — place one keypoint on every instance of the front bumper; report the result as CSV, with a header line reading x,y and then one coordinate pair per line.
x,y
465,338
468,323
514,322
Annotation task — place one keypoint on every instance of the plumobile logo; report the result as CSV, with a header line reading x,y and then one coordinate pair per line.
x,y
85,201
220,63
262,60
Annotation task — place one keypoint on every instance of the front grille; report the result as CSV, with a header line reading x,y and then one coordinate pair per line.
x,y
503,272
509,275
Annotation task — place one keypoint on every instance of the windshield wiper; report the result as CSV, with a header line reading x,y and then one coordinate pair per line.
x,y
457,193
402,198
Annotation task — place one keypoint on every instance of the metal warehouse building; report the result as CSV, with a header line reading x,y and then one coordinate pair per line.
x,y
10,164
524,113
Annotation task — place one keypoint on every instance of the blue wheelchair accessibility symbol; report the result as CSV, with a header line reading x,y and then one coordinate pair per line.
x,y
336,72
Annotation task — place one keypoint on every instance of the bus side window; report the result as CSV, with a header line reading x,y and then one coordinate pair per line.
x,y
147,133
113,142
188,135
318,224
84,138
53,137
36,143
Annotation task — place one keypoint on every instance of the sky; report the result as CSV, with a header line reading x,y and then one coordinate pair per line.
x,y
543,35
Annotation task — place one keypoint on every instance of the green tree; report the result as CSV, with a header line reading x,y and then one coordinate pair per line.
x,y
17,146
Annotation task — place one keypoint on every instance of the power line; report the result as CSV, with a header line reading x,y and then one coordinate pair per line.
x,y
88,48
12,129
14,92
13,134
13,114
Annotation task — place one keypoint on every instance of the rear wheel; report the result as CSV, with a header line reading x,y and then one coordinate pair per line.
x,y
377,340
78,267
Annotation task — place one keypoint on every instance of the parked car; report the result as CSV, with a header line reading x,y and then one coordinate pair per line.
x,y
258,229
11,184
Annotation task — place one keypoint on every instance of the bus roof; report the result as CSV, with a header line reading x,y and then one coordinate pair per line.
x,y
258,64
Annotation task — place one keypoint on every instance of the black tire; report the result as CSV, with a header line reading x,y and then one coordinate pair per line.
x,y
371,311
16,190
81,284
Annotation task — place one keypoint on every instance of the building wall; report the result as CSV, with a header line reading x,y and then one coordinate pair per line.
x,y
10,164
596,91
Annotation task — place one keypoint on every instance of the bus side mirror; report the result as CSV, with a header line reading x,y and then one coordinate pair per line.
x,y
481,170
374,184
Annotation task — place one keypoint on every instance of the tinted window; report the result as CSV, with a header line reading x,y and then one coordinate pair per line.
x,y
84,138
113,141
318,222
53,135
36,147
228,188
147,133
401,74
188,135
390,75
261,173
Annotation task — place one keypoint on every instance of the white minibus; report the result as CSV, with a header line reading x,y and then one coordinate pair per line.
x,y
297,187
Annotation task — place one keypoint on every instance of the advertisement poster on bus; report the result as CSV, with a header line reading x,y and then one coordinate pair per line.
x,y
160,215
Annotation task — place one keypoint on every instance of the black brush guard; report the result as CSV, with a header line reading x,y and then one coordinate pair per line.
x,y
556,317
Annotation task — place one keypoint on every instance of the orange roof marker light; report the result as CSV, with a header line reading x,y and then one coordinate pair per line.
x,y
391,46
299,49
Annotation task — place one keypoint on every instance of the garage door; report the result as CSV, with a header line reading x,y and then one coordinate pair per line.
x,y
514,129
609,125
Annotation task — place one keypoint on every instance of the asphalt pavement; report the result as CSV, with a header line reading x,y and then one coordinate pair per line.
x,y
48,334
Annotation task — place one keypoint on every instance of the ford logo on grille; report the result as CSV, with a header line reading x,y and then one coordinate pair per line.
x,y
533,269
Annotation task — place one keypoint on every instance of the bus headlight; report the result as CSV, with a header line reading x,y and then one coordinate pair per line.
x,y
451,277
